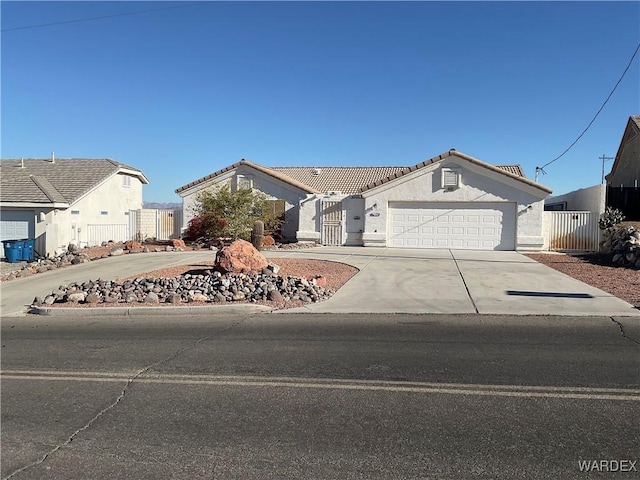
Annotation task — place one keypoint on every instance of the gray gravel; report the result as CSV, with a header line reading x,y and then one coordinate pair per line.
x,y
209,287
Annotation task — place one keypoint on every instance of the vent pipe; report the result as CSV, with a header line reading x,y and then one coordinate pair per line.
x,y
53,157
21,162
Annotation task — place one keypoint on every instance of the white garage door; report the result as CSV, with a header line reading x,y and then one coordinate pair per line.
x,y
472,226
16,225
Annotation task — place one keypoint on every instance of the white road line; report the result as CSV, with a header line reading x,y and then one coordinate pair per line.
x,y
527,391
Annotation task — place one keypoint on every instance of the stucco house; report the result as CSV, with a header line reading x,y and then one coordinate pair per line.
x,y
58,201
625,171
450,201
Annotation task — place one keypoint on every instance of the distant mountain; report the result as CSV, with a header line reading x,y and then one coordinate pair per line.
x,y
161,206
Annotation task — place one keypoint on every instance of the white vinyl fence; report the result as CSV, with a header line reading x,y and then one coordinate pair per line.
x,y
96,234
572,231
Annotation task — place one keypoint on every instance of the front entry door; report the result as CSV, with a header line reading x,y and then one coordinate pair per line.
x,y
331,222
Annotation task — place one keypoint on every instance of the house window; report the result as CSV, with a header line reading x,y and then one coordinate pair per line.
x,y
104,212
75,212
450,178
126,181
244,182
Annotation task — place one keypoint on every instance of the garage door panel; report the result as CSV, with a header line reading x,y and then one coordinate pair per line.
x,y
16,225
486,226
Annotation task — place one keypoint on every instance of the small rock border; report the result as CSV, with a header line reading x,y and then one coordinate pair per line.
x,y
76,256
210,287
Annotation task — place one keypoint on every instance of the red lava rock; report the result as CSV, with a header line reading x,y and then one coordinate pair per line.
x,y
240,257
268,241
132,245
321,281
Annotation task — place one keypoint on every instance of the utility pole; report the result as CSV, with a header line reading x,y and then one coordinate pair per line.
x,y
604,158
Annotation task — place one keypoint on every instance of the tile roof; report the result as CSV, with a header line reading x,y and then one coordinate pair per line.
x,y
62,181
513,169
347,180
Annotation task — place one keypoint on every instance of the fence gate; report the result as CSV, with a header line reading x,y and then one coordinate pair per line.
x,y
168,224
331,222
573,231
134,225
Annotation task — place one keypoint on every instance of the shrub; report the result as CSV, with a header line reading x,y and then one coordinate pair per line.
x,y
222,213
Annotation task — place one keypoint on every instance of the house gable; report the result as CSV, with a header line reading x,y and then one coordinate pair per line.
x,y
506,174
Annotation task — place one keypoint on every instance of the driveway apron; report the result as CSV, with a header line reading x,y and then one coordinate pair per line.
x,y
456,282
389,281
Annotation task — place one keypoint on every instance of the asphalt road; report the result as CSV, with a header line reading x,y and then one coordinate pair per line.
x,y
320,396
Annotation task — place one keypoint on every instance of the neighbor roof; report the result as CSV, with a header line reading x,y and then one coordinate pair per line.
x,y
62,181
347,180
631,129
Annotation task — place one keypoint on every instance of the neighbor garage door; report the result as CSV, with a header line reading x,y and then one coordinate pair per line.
x,y
16,225
472,226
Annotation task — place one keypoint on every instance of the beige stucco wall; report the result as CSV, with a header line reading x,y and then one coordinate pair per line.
x,y
110,196
478,184
270,186
352,218
591,199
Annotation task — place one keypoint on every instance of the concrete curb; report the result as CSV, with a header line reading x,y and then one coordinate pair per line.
x,y
146,311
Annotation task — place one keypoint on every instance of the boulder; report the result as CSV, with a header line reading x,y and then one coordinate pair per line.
x,y
240,257
151,297
76,297
93,298
275,296
132,245
178,243
116,251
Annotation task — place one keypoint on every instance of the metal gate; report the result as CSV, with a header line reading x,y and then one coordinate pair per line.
x,y
331,222
573,231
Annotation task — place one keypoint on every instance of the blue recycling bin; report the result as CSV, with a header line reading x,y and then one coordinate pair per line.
x,y
13,250
28,250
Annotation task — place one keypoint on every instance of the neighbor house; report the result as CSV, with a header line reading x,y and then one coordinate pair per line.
x,y
625,171
58,201
450,201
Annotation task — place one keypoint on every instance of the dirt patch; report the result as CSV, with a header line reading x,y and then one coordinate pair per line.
x,y
597,270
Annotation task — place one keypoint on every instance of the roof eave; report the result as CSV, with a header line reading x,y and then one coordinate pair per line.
x,y
265,170
60,205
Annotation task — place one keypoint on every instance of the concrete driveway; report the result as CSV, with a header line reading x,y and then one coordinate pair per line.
x,y
393,280
389,281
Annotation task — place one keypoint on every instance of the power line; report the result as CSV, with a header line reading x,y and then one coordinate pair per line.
x,y
541,169
138,12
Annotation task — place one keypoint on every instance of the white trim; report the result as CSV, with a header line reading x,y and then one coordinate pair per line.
x,y
8,205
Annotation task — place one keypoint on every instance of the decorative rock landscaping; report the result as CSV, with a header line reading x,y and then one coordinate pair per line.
x,y
625,246
211,287
75,255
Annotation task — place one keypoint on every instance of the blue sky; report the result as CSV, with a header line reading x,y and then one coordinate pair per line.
x,y
182,92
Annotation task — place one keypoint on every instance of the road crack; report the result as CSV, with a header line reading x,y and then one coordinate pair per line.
x,y
466,287
119,399
624,334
